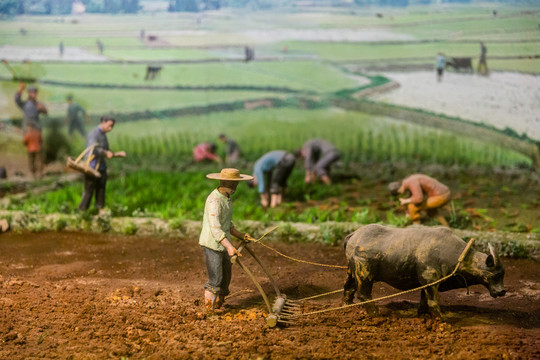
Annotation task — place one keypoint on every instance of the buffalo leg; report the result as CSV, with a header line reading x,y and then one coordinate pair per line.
x,y
432,295
349,288
423,307
364,294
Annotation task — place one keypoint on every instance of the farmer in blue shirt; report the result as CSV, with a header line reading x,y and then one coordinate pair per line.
x,y
270,174
441,63
96,185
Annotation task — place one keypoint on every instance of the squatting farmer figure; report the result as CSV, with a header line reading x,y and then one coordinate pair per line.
x,y
96,185
215,238
437,195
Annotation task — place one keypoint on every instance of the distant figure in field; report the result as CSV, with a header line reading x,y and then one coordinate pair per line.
x,y
96,186
319,156
440,64
61,48
206,152
249,53
270,174
151,72
32,108
33,141
23,31
100,46
426,194
75,115
482,64
142,34
232,150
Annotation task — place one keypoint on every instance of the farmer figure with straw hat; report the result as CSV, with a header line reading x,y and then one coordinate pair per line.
x,y
215,238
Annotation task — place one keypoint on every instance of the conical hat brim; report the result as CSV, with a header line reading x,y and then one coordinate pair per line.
x,y
217,176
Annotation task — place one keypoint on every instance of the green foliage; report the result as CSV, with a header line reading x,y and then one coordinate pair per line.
x,y
364,216
332,234
103,222
459,219
395,220
514,249
176,223
517,227
130,228
60,223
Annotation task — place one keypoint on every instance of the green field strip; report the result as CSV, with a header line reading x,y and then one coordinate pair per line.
x,y
356,51
300,76
474,130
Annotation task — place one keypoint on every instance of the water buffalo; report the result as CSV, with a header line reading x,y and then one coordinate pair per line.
x,y
459,63
412,257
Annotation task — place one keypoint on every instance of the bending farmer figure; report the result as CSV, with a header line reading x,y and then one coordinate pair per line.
x,y
436,195
206,151
75,114
232,150
96,185
270,174
215,238
319,155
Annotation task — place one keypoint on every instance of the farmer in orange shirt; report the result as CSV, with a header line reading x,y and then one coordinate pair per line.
x,y
426,194
32,140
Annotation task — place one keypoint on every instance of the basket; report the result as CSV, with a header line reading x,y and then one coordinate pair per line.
x,y
84,166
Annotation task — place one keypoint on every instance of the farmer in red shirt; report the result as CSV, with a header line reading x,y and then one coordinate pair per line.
x,y
206,151
32,140
426,194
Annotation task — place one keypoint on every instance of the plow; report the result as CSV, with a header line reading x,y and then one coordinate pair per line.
x,y
286,311
282,310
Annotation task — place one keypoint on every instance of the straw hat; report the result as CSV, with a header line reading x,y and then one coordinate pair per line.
x,y
229,175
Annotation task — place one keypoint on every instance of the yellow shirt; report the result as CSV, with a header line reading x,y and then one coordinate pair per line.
x,y
216,221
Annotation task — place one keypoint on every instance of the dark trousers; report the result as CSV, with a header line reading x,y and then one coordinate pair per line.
x,y
35,161
281,172
76,125
94,185
322,167
219,267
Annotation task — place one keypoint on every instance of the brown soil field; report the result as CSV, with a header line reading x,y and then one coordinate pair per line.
x,y
94,296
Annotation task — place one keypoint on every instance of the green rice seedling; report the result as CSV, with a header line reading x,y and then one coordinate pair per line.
x,y
60,223
395,220
130,228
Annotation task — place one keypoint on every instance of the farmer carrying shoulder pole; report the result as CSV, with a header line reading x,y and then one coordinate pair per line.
x,y
437,195
215,238
96,185
32,108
